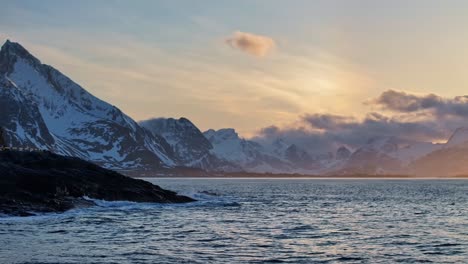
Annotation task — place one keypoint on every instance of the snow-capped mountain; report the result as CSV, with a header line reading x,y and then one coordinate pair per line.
x,y
300,158
380,155
250,155
42,108
386,155
21,122
191,148
45,109
276,156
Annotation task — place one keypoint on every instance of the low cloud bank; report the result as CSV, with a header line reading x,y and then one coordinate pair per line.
x,y
427,118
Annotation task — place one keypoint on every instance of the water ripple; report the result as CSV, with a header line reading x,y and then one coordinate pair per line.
x,y
256,221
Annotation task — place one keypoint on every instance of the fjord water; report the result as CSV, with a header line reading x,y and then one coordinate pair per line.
x,y
257,221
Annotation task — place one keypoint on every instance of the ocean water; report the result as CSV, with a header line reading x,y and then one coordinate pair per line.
x,y
257,221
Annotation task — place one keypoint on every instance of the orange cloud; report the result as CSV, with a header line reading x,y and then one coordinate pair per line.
x,y
252,44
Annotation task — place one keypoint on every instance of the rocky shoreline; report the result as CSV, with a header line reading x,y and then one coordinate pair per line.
x,y
43,182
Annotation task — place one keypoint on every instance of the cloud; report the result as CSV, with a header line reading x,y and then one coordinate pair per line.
x,y
327,121
429,118
256,45
403,102
324,132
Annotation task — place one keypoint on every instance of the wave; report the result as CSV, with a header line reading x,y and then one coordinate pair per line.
x,y
208,198
203,199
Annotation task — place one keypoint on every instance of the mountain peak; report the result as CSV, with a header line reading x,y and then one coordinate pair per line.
x,y
228,133
293,146
343,153
184,120
166,124
10,52
14,47
222,134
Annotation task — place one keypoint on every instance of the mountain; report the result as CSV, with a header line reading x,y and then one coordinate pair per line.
x,y
190,147
370,161
21,122
343,153
380,155
300,157
276,156
458,139
43,108
451,159
249,155
385,155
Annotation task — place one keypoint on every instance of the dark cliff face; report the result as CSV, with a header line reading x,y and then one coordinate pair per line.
x,y
20,118
2,139
46,182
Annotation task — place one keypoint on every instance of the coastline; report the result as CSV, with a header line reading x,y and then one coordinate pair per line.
x,y
311,177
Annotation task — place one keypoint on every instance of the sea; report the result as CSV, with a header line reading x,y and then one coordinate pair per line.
x,y
257,221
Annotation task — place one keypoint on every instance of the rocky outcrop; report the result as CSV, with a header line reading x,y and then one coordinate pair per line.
x,y
45,182
2,139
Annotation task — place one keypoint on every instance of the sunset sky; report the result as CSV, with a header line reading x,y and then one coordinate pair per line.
x,y
261,66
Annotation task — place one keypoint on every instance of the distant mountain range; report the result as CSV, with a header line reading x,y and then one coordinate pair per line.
x,y
42,108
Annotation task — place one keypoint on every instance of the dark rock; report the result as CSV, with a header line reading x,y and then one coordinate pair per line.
x,y
45,182
2,137
343,153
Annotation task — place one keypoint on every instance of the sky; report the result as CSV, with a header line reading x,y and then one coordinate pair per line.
x,y
305,69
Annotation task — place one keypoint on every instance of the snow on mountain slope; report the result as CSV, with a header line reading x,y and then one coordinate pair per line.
x,y
185,138
20,119
250,155
276,156
40,107
227,144
81,124
189,145
386,155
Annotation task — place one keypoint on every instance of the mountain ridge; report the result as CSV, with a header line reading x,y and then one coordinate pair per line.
x,y
190,146
42,108
79,123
